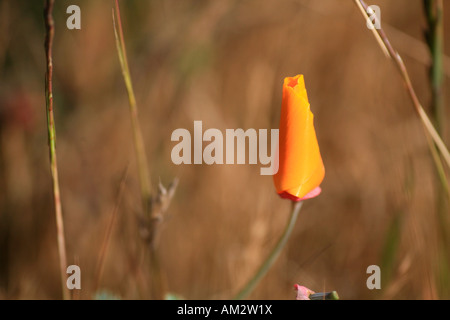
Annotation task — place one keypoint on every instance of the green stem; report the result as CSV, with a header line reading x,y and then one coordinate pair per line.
x,y
144,177
158,287
435,40
333,295
267,264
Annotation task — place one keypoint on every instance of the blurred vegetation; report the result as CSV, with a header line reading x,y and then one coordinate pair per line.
x,y
222,62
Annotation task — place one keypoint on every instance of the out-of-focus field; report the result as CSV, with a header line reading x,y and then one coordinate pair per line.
x,y
222,62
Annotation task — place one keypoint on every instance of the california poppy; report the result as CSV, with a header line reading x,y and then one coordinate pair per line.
x,y
301,170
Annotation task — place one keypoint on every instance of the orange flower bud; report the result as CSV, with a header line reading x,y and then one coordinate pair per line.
x,y
301,169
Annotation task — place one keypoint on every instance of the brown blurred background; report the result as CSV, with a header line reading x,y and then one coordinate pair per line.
x,y
222,62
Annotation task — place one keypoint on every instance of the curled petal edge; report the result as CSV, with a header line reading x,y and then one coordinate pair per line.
x,y
312,194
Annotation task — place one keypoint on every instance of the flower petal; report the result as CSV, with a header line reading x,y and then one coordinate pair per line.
x,y
303,293
301,169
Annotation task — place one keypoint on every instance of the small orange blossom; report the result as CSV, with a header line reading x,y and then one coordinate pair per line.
x,y
301,169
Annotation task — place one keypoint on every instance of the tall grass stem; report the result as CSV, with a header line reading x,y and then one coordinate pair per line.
x,y
142,164
49,35
434,14
425,120
107,238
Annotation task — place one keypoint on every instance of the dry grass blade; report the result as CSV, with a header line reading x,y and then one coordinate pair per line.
x,y
394,55
49,34
144,179
153,206
106,240
374,30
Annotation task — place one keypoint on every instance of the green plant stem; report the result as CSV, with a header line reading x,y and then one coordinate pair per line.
x,y
144,177
267,264
333,295
49,34
435,39
158,287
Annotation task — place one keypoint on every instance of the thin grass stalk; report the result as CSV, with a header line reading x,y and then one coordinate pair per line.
x,y
272,257
144,177
435,39
427,124
107,238
158,287
49,34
